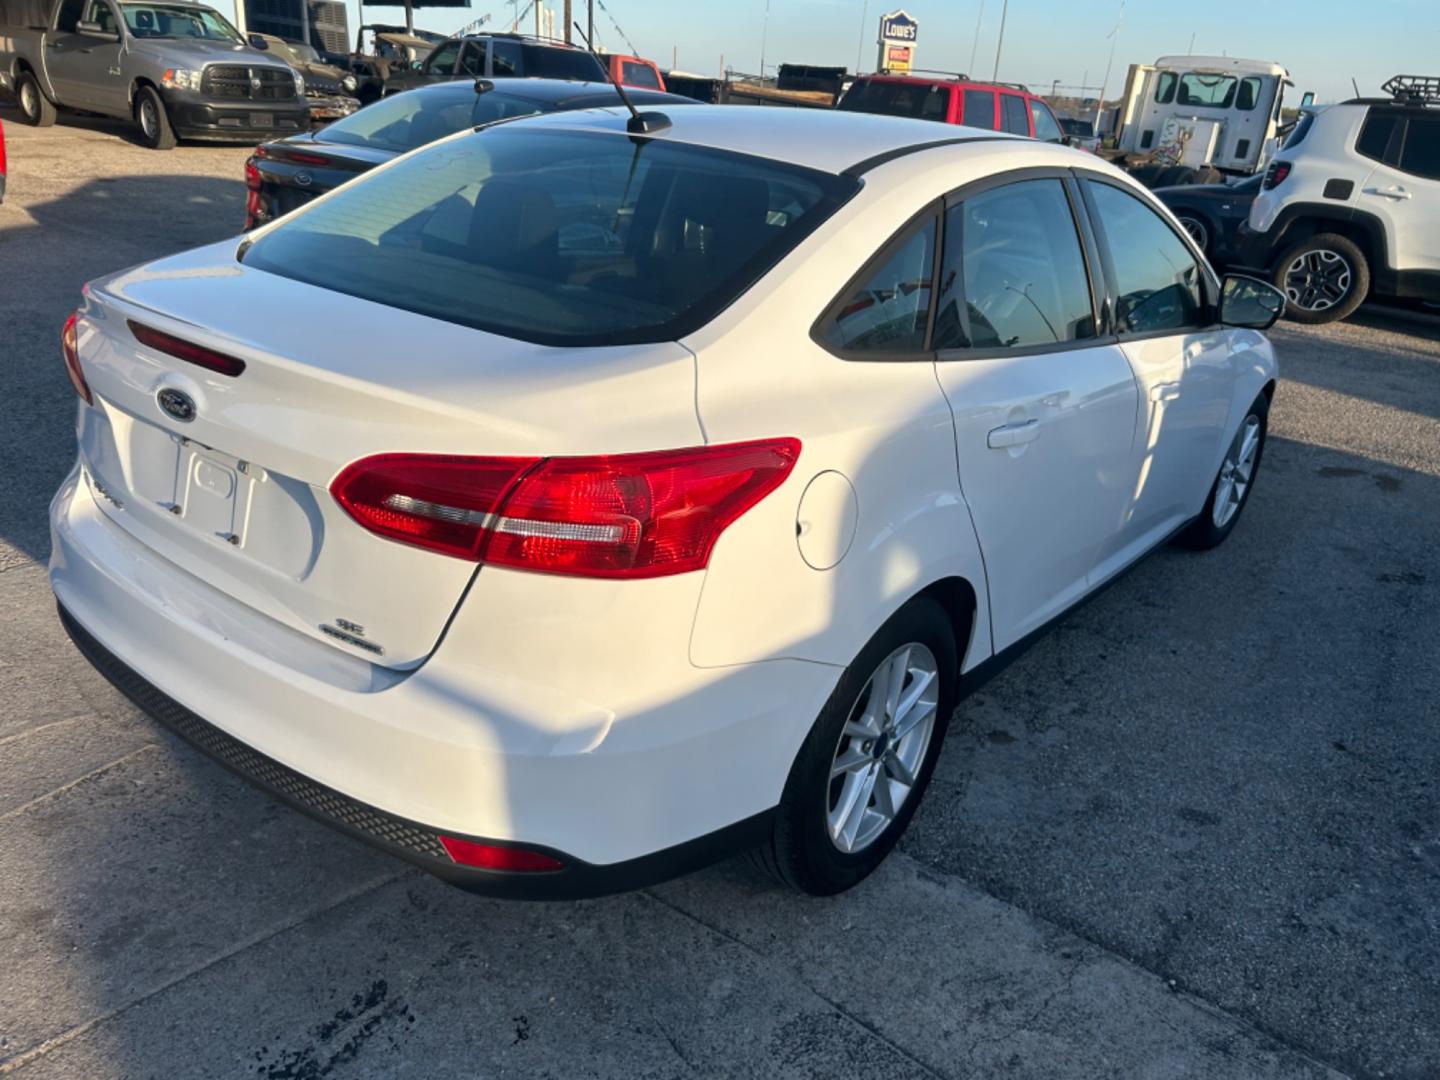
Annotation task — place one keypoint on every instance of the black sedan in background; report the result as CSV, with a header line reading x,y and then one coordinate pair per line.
x,y
289,172
1212,213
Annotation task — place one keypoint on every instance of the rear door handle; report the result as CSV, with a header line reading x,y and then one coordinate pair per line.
x,y
1013,435
1165,391
1394,191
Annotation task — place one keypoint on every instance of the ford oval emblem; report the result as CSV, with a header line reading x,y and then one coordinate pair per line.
x,y
303,179
176,404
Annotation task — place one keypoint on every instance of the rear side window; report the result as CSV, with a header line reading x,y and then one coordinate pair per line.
x,y
1156,277
980,109
405,121
504,58
1013,275
1249,94
1300,130
69,16
557,237
551,63
1421,153
1378,137
1013,114
1165,88
472,59
886,312
442,60
632,74
916,100
1046,128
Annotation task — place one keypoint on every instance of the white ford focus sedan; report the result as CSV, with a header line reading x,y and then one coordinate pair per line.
x,y
561,507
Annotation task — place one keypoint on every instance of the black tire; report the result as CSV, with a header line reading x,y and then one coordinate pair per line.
x,y
1175,176
1198,226
800,852
1204,533
1324,254
1148,175
36,109
155,129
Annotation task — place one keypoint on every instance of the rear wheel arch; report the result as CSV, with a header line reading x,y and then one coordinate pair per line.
x,y
1301,222
957,596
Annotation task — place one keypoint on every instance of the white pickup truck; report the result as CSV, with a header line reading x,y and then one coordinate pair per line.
x,y
175,67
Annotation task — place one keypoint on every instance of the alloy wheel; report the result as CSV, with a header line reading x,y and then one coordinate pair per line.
x,y
882,747
1237,473
149,122
1318,279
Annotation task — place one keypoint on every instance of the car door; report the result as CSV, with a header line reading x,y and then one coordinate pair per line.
x,y
1404,189
100,64
1043,406
472,61
65,54
1163,301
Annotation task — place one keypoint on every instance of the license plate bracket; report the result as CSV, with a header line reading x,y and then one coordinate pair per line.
x,y
262,120
212,492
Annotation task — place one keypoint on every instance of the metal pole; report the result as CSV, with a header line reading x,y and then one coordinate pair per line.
x,y
409,17
591,28
539,19
569,18
1004,11
1105,82
976,43
764,33
860,46
1191,50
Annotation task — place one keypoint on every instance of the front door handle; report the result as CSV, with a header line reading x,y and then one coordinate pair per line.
x,y
1013,434
1165,391
1394,191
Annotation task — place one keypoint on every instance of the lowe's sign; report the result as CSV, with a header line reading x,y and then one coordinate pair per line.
x,y
898,32
898,28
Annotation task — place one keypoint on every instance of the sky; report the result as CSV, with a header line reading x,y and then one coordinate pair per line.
x,y
1323,43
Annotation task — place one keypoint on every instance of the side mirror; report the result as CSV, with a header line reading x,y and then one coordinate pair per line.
x,y
258,42
1250,302
95,30
1307,99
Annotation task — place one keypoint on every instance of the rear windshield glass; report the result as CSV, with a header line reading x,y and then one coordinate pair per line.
x,y
898,99
556,237
406,121
550,63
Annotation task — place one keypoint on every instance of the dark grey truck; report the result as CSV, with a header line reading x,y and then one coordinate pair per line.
x,y
177,68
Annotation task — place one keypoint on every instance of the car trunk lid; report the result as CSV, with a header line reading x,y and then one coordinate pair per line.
x,y
237,493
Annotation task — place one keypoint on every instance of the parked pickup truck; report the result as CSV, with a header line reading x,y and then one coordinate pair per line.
x,y
177,68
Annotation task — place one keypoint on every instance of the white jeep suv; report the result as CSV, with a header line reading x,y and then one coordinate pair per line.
x,y
1351,206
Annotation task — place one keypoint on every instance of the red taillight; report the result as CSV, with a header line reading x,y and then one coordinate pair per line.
x,y
186,350
616,516
252,190
1276,174
495,857
72,359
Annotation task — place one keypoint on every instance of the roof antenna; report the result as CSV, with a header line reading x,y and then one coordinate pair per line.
x,y
646,123
1356,85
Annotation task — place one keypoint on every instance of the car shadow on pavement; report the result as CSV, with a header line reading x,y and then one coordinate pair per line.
x,y
93,230
1220,770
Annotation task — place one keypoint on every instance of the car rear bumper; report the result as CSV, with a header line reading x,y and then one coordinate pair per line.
x,y
620,793
195,117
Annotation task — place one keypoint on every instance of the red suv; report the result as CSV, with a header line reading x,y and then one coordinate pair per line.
x,y
994,106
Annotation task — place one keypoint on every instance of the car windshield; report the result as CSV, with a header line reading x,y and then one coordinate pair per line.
x,y
306,54
557,237
405,121
178,21
897,99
